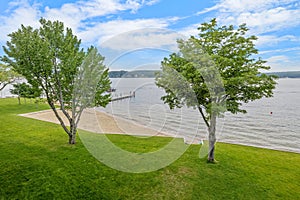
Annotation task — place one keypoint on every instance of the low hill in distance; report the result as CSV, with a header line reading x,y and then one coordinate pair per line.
x,y
289,74
151,74
133,74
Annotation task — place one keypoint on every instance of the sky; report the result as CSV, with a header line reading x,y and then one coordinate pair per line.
x,y
138,34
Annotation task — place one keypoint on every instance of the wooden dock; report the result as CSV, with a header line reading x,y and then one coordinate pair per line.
x,y
121,97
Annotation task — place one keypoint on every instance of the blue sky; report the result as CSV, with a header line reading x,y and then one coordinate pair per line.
x,y
134,34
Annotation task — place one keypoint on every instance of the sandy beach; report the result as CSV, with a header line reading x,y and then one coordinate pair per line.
x,y
99,122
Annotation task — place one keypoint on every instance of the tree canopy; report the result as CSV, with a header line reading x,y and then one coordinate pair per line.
x,y
216,71
51,58
7,76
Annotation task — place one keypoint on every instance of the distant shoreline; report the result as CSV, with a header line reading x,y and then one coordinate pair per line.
x,y
152,73
289,74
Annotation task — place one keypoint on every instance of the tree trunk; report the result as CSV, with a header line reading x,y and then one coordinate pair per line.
x,y
212,138
71,134
72,138
73,130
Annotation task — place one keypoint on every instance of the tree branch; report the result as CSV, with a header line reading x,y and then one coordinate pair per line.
x,y
61,99
203,116
5,84
57,115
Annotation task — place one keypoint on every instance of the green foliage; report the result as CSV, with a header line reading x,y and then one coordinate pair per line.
x,y
220,67
94,68
234,55
92,81
36,163
26,91
51,58
7,76
47,57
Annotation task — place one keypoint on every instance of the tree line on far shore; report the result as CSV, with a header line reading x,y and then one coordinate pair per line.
x,y
152,73
133,74
289,74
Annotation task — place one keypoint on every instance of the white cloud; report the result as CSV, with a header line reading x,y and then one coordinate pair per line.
x,y
190,30
152,2
260,15
283,63
68,13
206,10
144,38
283,50
103,32
241,6
97,8
276,59
270,20
21,13
76,15
271,40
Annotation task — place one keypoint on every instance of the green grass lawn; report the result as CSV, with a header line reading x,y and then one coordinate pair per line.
x,y
37,163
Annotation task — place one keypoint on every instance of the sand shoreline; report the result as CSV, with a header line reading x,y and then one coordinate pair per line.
x,y
100,122
104,123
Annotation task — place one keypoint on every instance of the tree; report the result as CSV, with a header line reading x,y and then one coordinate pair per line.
x,y
26,91
215,72
7,76
51,58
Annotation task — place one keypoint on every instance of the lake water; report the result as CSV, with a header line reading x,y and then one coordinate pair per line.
x,y
270,122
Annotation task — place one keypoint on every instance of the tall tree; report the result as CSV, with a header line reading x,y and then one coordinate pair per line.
x,y
7,76
215,72
51,58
